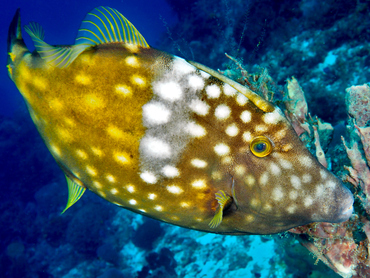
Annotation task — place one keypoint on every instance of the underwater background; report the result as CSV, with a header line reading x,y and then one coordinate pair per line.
x,y
325,45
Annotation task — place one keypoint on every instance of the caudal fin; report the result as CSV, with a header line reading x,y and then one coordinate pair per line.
x,y
16,45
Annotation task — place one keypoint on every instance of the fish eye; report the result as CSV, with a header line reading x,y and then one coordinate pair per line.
x,y
261,146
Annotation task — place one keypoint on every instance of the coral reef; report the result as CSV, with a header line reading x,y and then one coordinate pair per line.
x,y
339,245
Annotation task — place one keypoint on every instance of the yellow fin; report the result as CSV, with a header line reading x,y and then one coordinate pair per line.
x,y
107,25
57,56
101,25
223,201
75,192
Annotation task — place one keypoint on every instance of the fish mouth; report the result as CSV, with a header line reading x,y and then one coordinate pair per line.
x,y
347,211
346,214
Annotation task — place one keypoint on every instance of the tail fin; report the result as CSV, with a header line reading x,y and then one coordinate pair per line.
x,y
16,45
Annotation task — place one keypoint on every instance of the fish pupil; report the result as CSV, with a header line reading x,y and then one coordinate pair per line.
x,y
260,147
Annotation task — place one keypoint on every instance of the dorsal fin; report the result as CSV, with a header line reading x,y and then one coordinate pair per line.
x,y
57,56
75,192
105,25
101,25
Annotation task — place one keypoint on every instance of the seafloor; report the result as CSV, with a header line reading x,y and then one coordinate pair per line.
x,y
325,45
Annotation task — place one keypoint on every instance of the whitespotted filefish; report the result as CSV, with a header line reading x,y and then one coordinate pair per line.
x,y
165,137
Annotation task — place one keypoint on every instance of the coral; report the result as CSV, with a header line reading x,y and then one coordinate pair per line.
x,y
340,246
358,103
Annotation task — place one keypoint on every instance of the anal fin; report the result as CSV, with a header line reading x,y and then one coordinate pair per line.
x,y
75,192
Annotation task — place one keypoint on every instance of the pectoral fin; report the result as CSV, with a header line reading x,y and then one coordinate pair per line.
x,y
223,202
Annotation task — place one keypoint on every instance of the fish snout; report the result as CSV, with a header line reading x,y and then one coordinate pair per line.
x,y
341,201
345,205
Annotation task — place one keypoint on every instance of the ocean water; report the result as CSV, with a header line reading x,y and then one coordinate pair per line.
x,y
320,43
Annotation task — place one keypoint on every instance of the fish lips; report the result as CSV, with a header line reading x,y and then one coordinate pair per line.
x,y
347,205
344,200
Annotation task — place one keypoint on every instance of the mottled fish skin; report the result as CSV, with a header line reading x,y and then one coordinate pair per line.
x,y
152,133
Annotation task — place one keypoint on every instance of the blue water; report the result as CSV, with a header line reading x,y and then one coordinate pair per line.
x,y
95,238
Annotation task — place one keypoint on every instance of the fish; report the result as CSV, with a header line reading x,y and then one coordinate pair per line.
x,y
166,137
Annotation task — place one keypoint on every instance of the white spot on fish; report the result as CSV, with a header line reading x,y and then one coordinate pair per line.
x,y
264,178
222,149
156,148
232,130
260,128
115,132
277,193
198,163
323,174
295,181
222,112
195,130
132,202
148,177
275,169
272,117
97,184
110,178
132,61
213,91
196,82
240,170
228,90
182,67
81,154
156,113
55,150
96,151
280,134
246,116
123,90
170,171
184,204
114,191
247,136
320,190
138,80
130,188
291,209
293,195
152,196
331,185
307,201
121,157
158,207
306,161
170,91
199,107
241,99
285,163
174,189
91,171
306,178
199,184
